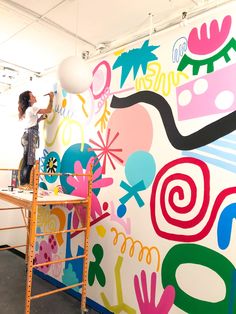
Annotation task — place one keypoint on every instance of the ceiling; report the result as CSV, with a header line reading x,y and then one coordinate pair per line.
x,y
35,36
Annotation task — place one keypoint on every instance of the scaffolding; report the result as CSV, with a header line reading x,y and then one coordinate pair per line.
x,y
28,203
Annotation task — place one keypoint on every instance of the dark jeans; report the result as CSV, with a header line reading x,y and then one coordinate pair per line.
x,y
25,171
25,168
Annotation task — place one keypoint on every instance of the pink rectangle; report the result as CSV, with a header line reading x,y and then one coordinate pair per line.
x,y
207,95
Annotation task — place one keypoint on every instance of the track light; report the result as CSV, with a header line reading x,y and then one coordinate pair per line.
x,y
184,20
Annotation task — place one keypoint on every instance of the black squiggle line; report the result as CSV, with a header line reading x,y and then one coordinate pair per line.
x,y
204,136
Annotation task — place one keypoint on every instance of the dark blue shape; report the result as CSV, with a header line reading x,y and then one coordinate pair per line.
x,y
121,210
225,225
77,264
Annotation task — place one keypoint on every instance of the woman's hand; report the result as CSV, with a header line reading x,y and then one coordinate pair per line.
x,y
42,117
51,96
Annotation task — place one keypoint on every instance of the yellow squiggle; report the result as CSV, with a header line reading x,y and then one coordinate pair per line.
x,y
132,248
81,98
103,118
66,122
50,121
157,80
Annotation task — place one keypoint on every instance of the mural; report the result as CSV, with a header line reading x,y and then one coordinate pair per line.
x,y
162,142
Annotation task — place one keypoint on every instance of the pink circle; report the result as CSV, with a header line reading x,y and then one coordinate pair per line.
x,y
101,79
98,82
135,130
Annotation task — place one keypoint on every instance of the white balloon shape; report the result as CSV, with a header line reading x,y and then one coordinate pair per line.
x,y
75,75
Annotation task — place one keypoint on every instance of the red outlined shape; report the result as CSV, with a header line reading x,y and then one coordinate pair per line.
x,y
183,224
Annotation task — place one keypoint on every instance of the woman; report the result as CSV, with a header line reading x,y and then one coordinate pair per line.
x,y
29,111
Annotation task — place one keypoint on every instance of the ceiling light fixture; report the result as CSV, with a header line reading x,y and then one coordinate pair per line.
x,y
74,73
184,18
151,26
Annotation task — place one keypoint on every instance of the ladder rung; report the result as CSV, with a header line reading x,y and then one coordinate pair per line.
x,y
10,208
13,227
59,261
37,296
57,232
12,247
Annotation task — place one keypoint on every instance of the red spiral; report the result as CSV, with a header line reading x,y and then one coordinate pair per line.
x,y
177,191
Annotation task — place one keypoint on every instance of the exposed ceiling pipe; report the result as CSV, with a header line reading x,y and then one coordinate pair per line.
x,y
175,21
18,67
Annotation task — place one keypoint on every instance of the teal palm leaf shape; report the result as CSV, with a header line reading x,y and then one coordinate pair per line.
x,y
135,58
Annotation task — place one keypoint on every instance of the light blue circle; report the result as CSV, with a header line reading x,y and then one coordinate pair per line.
x,y
64,93
140,166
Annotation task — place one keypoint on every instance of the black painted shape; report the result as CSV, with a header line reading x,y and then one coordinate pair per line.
x,y
204,136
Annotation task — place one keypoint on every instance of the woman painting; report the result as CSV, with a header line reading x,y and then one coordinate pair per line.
x,y
32,114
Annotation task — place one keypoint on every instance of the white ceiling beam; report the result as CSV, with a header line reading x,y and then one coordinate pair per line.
x,y
37,17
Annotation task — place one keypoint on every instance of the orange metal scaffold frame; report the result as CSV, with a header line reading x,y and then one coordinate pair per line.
x,y
30,222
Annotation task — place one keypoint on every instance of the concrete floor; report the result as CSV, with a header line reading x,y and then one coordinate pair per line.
x,y
12,291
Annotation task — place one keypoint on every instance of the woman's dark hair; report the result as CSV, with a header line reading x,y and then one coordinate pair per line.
x,y
23,103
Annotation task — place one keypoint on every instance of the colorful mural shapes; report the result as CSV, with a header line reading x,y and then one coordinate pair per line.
x,y
232,294
46,220
206,45
74,268
106,150
76,221
149,304
184,254
100,86
80,185
100,92
179,48
121,306
59,213
140,169
136,245
95,269
135,58
204,136
137,137
69,277
176,215
65,127
52,164
45,253
62,104
220,153
56,268
158,80
76,152
225,224
117,216
210,94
